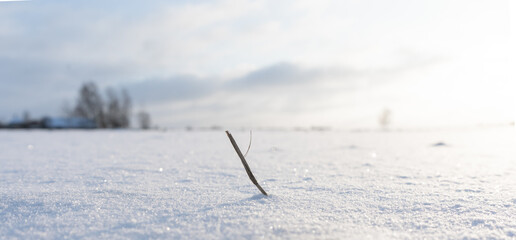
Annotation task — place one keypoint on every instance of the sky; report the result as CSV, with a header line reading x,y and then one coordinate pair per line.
x,y
253,63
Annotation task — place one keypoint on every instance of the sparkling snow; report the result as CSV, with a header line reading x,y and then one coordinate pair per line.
x,y
191,185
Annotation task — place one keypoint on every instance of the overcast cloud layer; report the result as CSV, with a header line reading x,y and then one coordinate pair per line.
x,y
264,63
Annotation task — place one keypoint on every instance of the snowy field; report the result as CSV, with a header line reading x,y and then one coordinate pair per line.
x,y
322,185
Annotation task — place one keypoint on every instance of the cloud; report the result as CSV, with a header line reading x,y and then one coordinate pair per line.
x,y
282,94
181,57
274,76
182,38
283,91
179,88
277,76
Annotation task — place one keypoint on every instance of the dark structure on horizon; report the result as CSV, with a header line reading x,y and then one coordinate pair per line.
x,y
52,123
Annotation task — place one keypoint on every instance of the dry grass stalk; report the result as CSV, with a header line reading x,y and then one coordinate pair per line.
x,y
244,162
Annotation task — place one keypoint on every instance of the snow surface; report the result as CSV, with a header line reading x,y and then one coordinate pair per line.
x,y
322,185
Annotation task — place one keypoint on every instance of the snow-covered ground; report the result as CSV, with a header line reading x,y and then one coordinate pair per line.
x,y
191,185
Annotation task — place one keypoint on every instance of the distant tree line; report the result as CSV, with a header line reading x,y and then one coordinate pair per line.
x,y
91,110
113,111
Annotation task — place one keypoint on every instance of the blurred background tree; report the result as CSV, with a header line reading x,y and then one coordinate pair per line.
x,y
114,112
118,109
144,119
90,104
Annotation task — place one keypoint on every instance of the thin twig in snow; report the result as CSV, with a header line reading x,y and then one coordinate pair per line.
x,y
250,141
244,162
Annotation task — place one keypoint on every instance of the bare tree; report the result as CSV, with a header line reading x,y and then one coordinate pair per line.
x,y
113,110
125,109
144,120
90,104
118,109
